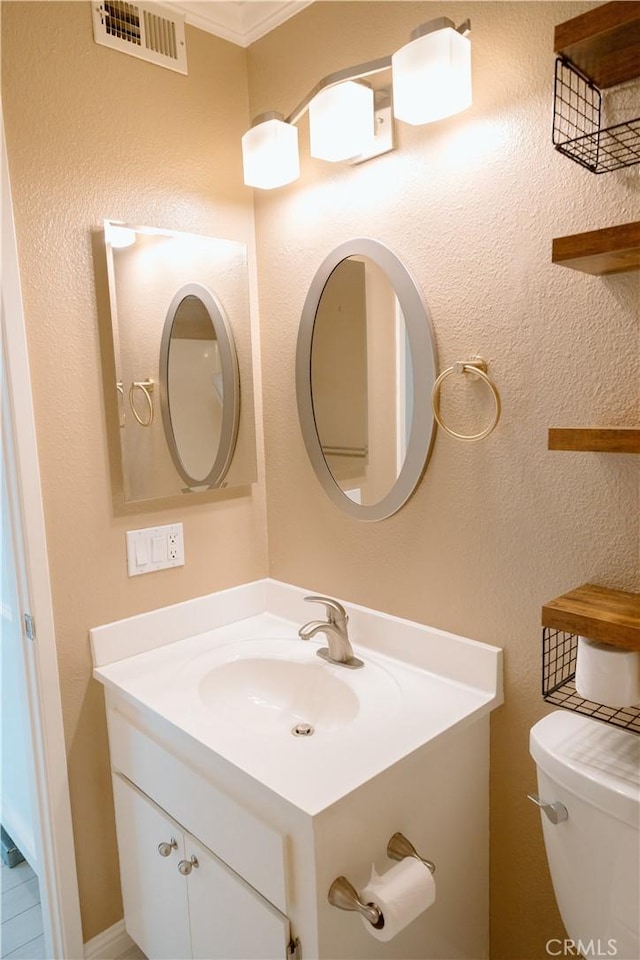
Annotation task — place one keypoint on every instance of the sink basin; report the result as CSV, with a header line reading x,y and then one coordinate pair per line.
x,y
272,695
226,679
265,686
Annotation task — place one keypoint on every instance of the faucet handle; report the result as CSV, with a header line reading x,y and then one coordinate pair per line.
x,y
335,610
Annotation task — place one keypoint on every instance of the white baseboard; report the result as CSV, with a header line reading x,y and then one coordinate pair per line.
x,y
110,944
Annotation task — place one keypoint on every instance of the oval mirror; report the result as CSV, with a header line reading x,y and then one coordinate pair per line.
x,y
199,387
365,368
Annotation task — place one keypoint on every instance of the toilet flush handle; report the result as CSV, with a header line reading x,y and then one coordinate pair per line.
x,y
557,812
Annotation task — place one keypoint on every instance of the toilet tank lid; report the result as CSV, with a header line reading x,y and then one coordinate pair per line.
x,y
593,760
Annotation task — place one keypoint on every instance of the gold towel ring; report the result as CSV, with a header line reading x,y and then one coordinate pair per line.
x,y
146,386
476,367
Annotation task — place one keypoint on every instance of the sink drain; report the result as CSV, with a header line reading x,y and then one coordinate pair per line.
x,y
302,730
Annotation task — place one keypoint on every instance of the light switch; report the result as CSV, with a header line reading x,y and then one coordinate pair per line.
x,y
154,548
141,552
158,549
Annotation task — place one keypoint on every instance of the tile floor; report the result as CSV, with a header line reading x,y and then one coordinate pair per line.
x,y
21,930
135,953
21,936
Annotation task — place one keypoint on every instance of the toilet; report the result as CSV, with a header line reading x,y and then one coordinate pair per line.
x,y
589,798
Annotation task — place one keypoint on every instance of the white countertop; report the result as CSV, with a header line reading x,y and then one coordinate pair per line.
x,y
365,720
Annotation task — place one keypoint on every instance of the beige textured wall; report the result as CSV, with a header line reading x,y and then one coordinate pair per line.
x,y
93,134
495,528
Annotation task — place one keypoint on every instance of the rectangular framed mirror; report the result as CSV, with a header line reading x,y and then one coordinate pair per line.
x,y
177,362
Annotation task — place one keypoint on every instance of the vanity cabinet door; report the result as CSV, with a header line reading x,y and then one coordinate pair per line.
x,y
153,891
229,919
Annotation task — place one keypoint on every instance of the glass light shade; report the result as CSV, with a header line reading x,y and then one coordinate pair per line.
x,y
432,77
270,154
341,121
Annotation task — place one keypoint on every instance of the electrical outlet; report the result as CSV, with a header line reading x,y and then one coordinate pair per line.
x,y
173,544
154,548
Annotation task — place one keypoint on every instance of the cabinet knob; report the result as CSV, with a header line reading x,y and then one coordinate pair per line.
x,y
186,866
164,848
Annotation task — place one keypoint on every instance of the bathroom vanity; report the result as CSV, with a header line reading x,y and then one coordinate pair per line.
x,y
249,774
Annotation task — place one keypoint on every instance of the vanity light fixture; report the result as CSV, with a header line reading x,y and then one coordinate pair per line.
x,y
341,121
270,152
431,78
432,73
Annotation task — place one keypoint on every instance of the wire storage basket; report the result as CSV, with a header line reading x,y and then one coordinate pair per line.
x,y
559,656
577,119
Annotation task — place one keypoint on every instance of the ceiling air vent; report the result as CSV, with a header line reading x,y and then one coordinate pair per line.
x,y
141,30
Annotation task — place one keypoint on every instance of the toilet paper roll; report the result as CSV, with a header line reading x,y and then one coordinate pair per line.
x,y
607,675
402,893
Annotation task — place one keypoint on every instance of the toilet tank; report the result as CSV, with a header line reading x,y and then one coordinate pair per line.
x,y
594,855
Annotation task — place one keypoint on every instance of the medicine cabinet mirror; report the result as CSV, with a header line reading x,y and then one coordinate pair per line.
x,y
365,368
180,393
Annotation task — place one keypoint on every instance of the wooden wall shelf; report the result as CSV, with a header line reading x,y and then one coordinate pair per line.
x,y
608,616
610,250
603,43
595,439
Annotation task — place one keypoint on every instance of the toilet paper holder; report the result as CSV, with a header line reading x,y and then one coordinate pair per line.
x,y
343,894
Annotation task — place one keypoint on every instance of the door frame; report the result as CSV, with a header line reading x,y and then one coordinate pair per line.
x,y
53,832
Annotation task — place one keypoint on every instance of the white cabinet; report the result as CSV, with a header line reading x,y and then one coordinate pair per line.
x,y
277,818
180,900
153,891
229,919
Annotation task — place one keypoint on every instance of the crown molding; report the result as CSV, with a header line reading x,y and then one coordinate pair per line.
x,y
239,21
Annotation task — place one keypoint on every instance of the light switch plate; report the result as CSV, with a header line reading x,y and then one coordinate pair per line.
x,y
154,548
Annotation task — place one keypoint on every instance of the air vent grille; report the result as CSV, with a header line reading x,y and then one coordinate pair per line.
x,y
161,34
147,31
121,20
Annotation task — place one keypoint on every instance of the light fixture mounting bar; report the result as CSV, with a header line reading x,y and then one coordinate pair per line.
x,y
441,23
384,136
358,72
362,70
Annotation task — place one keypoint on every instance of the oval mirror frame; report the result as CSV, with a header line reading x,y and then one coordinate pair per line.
x,y
230,382
424,360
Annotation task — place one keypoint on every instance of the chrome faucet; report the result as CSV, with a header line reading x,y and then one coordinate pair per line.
x,y
335,629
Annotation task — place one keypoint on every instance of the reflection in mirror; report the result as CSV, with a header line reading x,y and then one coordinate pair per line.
x,y
199,386
361,376
195,391
190,448
365,368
